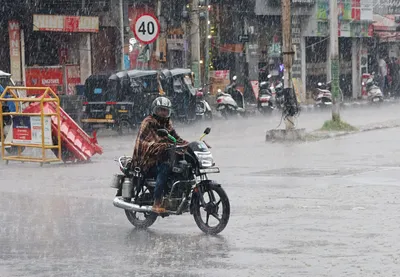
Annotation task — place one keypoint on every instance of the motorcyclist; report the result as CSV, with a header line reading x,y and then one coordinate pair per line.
x,y
150,153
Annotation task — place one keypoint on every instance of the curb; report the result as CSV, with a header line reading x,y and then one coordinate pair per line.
x,y
321,135
346,105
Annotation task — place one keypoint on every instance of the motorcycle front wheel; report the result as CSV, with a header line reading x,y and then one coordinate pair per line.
x,y
212,209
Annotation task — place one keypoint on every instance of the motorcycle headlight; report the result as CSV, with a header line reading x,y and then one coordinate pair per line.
x,y
205,158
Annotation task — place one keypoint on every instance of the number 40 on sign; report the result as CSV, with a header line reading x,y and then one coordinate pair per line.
x,y
146,28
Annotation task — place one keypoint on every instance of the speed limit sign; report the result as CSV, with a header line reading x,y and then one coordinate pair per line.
x,y
146,28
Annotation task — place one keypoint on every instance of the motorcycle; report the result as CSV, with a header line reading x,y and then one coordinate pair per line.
x,y
279,95
203,109
323,97
188,188
264,100
228,104
375,94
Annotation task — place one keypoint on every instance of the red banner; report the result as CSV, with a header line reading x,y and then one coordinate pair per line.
x,y
45,77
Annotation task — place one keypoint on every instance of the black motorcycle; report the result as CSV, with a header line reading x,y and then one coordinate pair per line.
x,y
188,188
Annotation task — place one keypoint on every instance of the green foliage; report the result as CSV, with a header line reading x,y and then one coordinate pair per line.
x,y
337,125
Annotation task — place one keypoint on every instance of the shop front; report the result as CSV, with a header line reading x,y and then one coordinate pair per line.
x,y
60,50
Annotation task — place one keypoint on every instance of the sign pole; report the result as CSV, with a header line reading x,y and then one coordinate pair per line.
x,y
334,48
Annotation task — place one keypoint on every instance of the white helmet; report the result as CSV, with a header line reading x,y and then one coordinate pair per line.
x,y
161,103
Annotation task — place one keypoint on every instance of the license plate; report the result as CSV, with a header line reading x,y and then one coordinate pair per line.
x,y
375,100
264,104
84,109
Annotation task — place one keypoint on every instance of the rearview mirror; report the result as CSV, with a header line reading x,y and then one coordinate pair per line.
x,y
207,130
162,133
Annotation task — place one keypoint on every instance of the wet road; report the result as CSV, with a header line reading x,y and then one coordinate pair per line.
x,y
326,208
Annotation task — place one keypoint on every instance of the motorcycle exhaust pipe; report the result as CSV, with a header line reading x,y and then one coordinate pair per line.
x,y
120,203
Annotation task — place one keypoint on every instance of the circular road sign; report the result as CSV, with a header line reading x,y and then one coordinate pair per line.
x,y
146,28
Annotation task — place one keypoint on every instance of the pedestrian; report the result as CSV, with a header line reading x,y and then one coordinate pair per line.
x,y
383,72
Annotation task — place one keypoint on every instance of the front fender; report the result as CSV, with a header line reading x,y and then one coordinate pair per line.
x,y
197,194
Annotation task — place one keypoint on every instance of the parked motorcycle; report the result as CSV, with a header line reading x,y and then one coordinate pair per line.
x,y
230,102
203,109
279,95
323,95
264,101
188,188
375,94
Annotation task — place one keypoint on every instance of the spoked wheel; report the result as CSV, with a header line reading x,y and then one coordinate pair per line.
x,y
141,220
212,217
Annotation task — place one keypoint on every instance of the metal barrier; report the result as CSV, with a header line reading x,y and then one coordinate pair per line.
x,y
47,96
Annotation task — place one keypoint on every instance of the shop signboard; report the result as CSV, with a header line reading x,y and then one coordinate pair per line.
x,y
63,23
15,49
46,76
73,78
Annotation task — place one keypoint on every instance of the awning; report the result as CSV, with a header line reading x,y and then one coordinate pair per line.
x,y
385,28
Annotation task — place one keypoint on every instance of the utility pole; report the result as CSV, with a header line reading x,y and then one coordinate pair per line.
x,y
207,54
195,42
287,60
121,34
334,47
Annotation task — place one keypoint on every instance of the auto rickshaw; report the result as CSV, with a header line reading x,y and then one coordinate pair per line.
x,y
126,100
178,85
95,103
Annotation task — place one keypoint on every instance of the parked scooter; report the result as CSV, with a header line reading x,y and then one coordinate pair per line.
x,y
323,95
230,102
375,94
264,101
279,95
203,109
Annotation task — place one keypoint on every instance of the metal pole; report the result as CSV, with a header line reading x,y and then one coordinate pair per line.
x,y
195,42
334,47
121,32
287,57
207,55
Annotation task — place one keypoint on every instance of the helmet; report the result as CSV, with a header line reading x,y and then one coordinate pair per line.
x,y
161,103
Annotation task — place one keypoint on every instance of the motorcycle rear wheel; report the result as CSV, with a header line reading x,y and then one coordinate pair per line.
x,y
149,218
145,223
212,208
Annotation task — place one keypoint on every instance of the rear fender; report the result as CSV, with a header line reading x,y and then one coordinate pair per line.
x,y
198,191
